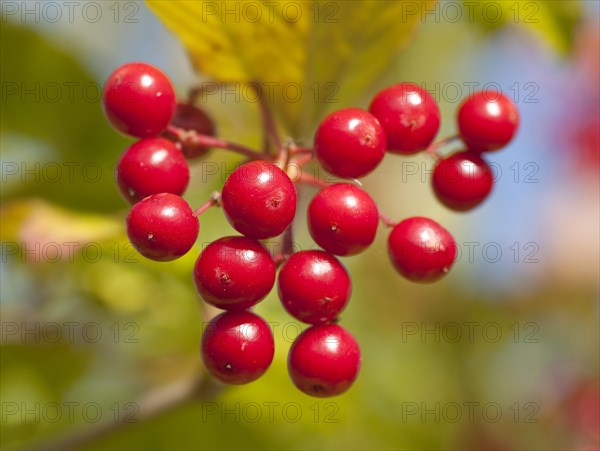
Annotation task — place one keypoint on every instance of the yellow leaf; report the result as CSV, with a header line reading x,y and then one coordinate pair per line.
x,y
35,226
553,21
303,53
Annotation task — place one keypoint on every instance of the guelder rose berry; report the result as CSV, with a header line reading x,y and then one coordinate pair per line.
x,y
343,219
324,360
237,347
234,273
487,120
462,181
162,227
409,115
313,286
421,249
152,166
350,143
259,200
138,100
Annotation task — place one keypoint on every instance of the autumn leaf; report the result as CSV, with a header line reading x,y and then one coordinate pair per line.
x,y
305,54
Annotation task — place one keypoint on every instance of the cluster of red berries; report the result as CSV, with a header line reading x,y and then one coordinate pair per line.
x,y
259,200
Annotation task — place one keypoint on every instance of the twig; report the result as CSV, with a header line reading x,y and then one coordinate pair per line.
x,y
214,201
385,219
302,150
191,137
154,403
311,180
283,155
270,128
432,150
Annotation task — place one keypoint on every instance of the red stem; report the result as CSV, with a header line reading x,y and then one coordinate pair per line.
x,y
287,242
191,137
432,150
215,201
302,150
386,220
269,124
279,259
309,179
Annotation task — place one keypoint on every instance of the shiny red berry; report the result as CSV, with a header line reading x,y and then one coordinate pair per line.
x,y
237,347
313,286
462,181
162,227
234,273
324,360
487,120
350,143
138,100
409,115
259,200
152,166
342,219
421,249
190,117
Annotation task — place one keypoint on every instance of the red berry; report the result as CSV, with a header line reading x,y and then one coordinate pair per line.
x,y
421,249
324,360
313,286
342,219
259,200
350,143
409,115
462,181
139,100
487,120
152,166
162,227
234,273
190,117
237,347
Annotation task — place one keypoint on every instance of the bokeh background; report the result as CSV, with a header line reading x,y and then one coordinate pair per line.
x,y
99,347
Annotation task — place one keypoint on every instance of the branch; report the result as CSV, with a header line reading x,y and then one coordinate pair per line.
x,y
214,201
385,219
269,125
309,179
191,137
432,150
156,402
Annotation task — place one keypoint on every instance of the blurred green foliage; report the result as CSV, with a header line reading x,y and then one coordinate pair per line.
x,y
50,99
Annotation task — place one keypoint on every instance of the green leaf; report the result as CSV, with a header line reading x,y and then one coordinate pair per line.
x,y
307,56
553,21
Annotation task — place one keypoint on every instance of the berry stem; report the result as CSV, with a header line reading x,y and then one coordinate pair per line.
x,y
385,219
214,201
191,137
287,247
303,160
309,179
269,125
287,242
279,259
302,150
283,155
432,150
